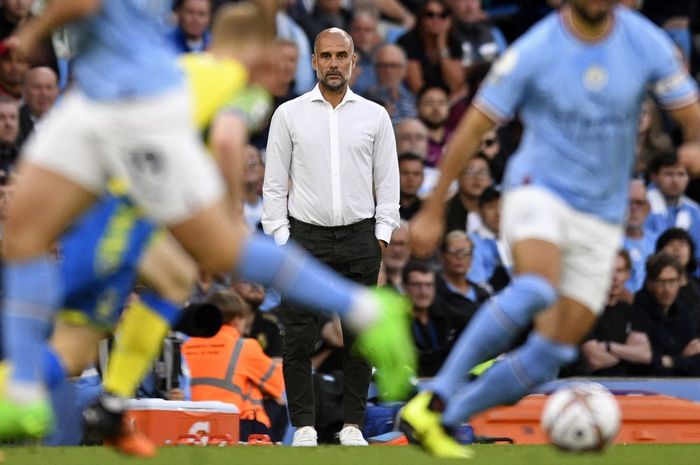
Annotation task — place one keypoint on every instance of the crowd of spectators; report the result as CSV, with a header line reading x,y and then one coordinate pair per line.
x,y
423,62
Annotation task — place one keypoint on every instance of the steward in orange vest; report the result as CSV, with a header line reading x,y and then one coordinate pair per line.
x,y
234,369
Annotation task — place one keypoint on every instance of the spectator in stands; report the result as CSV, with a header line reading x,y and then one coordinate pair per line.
x,y
9,132
463,208
669,206
231,368
434,52
412,137
639,242
12,12
433,110
264,327
652,140
495,152
288,29
13,69
613,326
252,187
673,348
39,94
481,41
410,180
457,298
389,88
192,31
279,82
325,14
365,33
431,334
678,243
396,256
490,262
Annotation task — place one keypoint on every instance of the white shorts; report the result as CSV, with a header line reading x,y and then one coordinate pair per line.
x,y
148,142
588,244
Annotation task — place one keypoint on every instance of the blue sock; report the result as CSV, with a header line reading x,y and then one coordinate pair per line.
x,y
32,294
537,362
54,371
170,311
297,275
493,329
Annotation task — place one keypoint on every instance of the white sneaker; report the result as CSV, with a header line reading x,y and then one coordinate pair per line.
x,y
305,437
351,436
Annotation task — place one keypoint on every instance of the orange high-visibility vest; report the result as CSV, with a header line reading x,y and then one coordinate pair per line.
x,y
233,369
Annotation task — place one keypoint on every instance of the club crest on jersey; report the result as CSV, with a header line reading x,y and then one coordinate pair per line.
x,y
595,78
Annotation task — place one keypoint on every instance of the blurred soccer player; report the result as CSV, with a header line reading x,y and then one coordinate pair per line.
x,y
564,200
128,117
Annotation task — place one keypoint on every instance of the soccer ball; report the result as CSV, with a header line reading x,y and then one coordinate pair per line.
x,y
581,417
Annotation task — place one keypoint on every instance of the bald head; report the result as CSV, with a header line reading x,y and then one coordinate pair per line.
x,y
40,90
334,33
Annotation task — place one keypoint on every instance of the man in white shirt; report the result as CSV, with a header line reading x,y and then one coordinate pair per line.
x,y
332,185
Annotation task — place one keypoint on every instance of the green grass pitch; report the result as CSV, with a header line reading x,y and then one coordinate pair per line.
x,y
334,455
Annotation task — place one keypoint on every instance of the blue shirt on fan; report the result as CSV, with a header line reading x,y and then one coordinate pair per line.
x,y
123,51
580,104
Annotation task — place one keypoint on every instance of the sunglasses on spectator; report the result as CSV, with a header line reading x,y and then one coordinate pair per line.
x,y
459,252
436,15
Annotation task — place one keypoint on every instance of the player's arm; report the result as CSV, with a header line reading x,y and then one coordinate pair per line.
x,y
56,14
228,138
427,227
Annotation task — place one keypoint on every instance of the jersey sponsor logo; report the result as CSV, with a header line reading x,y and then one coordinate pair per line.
x,y
595,78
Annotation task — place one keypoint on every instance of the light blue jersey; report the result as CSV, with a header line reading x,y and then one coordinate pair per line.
x,y
639,250
123,52
580,104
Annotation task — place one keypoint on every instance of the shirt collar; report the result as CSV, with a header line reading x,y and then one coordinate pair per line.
x,y
315,95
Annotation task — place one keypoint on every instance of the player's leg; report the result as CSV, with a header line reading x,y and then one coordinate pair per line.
x,y
536,258
56,181
170,275
587,266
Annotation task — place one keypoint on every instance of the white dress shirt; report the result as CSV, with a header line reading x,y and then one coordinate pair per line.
x,y
326,166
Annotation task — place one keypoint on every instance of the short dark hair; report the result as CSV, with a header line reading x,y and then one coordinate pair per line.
x,y
409,156
490,194
663,160
423,90
416,266
657,262
679,234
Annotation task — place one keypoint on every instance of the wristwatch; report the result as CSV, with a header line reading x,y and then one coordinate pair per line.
x,y
445,53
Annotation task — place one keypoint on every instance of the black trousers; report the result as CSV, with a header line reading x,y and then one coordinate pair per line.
x,y
352,251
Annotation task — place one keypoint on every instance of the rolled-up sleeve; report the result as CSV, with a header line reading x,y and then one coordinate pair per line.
x,y
386,179
276,182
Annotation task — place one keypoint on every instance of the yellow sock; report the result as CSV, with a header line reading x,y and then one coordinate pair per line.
x,y
139,339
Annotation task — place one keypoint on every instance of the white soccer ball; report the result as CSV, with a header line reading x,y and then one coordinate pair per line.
x,y
581,417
